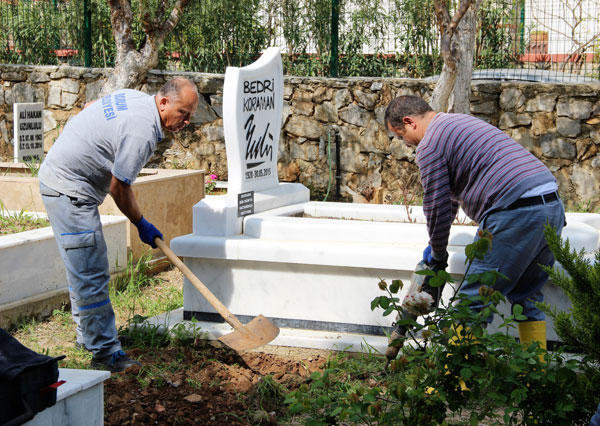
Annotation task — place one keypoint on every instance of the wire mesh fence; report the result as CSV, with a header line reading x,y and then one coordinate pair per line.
x,y
39,32
541,40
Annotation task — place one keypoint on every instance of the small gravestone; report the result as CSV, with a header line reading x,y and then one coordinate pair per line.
x,y
252,105
28,132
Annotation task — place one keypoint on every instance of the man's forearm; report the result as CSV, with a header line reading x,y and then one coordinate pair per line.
x,y
125,200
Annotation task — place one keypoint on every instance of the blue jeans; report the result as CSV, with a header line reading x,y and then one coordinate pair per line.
x,y
595,420
78,232
518,248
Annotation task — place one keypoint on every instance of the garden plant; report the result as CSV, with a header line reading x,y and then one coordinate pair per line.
x,y
452,369
579,328
400,37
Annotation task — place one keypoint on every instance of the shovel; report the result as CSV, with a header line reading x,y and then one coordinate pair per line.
x,y
257,332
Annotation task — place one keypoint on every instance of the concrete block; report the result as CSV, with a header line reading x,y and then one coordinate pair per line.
x,y
79,401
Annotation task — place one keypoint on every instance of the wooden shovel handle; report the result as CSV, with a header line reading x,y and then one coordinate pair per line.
x,y
216,303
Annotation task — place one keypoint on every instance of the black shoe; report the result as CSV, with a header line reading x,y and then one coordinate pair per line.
x,y
117,362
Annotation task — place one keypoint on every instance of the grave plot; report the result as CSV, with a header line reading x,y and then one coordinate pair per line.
x,y
263,248
33,279
165,195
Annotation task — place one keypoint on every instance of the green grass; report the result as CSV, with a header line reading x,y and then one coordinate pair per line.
x,y
135,295
33,167
583,207
127,290
12,223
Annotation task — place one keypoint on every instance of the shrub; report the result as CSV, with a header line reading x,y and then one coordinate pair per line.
x,y
579,328
454,368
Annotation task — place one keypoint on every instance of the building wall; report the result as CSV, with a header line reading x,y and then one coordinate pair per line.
x,y
558,123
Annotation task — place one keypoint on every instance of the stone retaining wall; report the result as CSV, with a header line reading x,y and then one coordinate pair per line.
x,y
559,123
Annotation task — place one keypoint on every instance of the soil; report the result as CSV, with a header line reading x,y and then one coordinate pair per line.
x,y
205,383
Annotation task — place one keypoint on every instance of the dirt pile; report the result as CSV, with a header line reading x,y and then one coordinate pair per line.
x,y
206,385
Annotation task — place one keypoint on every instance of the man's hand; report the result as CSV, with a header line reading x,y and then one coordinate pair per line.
x,y
147,232
437,263
427,257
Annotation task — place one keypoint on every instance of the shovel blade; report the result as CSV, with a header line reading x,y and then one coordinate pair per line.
x,y
257,332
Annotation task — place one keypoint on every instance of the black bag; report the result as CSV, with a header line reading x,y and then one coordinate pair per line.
x,y
28,381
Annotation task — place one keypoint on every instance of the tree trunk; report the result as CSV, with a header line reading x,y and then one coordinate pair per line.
x,y
129,71
457,44
131,64
465,40
443,88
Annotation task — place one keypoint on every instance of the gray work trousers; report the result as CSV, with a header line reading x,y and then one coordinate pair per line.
x,y
78,232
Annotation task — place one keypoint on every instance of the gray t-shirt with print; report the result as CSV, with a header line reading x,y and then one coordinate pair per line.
x,y
116,135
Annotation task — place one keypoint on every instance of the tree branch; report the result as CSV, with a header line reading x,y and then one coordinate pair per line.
x,y
442,15
148,22
462,9
120,18
173,19
580,51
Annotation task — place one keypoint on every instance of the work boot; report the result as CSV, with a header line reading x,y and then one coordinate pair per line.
x,y
115,363
533,331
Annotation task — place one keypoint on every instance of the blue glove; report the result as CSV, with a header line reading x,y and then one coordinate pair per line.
x,y
148,232
434,263
427,256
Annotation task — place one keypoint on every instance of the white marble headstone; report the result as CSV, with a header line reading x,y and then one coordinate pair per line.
x,y
28,132
252,108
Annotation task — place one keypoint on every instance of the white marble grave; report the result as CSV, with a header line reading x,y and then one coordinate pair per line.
x,y
314,276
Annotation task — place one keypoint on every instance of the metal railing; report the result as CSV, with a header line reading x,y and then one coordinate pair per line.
x,y
518,39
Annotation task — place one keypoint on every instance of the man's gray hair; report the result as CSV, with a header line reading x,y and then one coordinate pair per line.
x,y
403,106
173,87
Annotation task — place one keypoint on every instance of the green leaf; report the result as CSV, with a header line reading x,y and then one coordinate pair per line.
x,y
488,278
384,302
406,322
466,373
388,310
474,420
473,278
436,282
395,286
520,317
375,303
517,309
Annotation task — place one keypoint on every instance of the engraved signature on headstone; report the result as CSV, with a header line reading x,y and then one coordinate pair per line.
x,y
257,149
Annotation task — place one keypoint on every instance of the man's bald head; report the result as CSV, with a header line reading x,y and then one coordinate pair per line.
x,y
175,86
177,101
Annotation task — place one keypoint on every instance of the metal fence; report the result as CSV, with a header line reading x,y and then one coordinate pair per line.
x,y
546,40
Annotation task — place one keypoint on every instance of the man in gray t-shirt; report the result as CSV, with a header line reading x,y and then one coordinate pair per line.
x,y
101,150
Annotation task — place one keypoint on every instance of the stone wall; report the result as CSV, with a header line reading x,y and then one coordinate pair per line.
x,y
559,123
